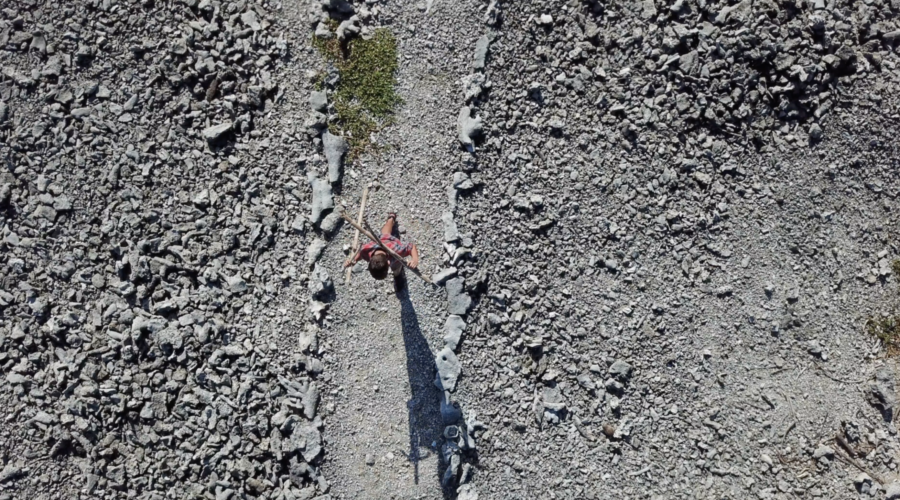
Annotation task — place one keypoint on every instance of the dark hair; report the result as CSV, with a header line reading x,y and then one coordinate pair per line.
x,y
378,266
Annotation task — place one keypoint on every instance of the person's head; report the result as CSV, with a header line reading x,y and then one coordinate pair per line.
x,y
378,265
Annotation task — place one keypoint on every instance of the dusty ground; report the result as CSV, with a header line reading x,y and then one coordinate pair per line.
x,y
682,216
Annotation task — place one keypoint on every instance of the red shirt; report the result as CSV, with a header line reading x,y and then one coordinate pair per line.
x,y
402,249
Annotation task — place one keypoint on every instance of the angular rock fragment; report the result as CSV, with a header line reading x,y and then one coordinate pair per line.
x,y
320,284
462,181
322,198
441,277
312,439
348,28
215,132
481,51
882,392
314,251
11,472
335,148
458,300
620,369
331,223
450,411
453,329
468,128
448,369
451,233
318,101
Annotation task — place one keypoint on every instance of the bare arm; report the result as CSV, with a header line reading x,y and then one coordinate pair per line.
x,y
414,262
353,260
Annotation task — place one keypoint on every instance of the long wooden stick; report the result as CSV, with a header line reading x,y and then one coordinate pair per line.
x,y
359,220
371,236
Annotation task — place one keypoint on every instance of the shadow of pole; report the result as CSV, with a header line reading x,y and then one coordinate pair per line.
x,y
425,425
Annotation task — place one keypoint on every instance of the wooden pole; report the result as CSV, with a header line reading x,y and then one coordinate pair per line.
x,y
359,220
371,235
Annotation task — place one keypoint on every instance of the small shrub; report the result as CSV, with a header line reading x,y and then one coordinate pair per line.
x,y
365,97
886,329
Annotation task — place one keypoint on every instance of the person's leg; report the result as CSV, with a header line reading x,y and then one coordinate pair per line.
x,y
388,227
399,273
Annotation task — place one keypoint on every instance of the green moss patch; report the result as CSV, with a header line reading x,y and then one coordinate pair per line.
x,y
365,97
886,329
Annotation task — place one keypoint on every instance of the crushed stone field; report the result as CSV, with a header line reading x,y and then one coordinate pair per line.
x,y
658,249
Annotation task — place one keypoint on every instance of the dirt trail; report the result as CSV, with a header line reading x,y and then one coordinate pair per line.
x,y
381,346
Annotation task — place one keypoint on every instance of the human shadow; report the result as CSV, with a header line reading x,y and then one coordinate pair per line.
x,y
425,425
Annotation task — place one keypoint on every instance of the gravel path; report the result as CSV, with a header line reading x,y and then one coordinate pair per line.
x,y
381,346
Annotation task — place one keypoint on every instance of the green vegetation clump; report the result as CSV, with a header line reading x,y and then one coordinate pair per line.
x,y
886,329
365,97
895,266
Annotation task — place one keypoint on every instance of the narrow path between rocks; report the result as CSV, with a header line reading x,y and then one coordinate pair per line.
x,y
383,421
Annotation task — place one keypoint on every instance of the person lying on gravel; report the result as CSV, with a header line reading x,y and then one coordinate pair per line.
x,y
379,260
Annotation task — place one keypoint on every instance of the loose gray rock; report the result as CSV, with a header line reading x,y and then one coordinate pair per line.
x,y
893,491
451,232
312,441
621,370
448,369
450,411
335,149
462,181
882,392
469,128
250,19
458,300
215,132
585,381
12,472
823,451
236,284
441,277
315,122
348,28
473,86
311,401
322,198
467,491
453,329
320,284
481,52
815,132
318,101
314,251
331,223
323,32
151,325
